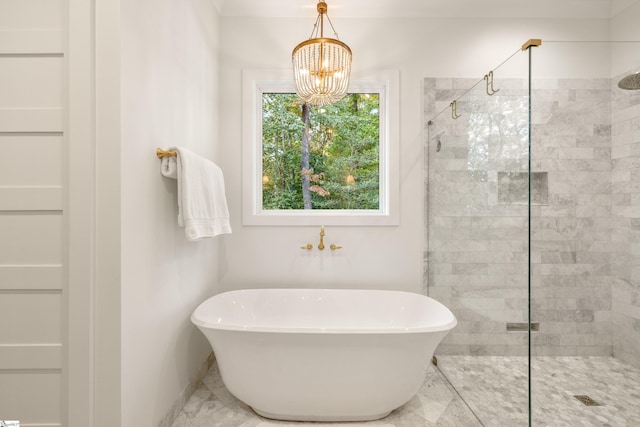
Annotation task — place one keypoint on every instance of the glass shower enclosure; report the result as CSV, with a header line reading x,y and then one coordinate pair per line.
x,y
532,234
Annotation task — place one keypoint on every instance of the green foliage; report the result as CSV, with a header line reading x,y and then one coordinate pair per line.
x,y
343,152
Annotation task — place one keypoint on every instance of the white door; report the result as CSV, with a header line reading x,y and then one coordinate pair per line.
x,y
32,85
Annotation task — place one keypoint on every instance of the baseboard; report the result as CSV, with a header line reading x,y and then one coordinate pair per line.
x,y
181,400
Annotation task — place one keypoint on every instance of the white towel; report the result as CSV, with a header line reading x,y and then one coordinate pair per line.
x,y
169,167
202,205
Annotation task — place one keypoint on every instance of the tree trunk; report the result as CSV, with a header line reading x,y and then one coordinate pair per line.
x,y
304,158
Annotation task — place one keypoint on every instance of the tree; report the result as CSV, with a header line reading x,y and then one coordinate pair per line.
x,y
304,153
321,157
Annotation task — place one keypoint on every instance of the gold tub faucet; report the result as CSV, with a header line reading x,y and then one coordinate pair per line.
x,y
321,244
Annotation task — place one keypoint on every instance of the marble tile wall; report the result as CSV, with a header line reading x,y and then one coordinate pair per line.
x,y
477,248
476,258
625,177
571,235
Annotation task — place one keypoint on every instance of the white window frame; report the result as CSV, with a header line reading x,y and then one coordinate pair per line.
x,y
257,82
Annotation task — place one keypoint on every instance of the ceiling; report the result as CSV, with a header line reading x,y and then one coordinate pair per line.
x,y
426,8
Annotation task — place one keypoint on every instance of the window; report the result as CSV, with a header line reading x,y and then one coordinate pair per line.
x,y
305,165
320,157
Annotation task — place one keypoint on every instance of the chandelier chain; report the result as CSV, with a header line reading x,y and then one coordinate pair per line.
x,y
335,33
314,32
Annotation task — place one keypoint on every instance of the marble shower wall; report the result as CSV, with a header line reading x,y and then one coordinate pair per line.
x,y
625,176
476,204
571,235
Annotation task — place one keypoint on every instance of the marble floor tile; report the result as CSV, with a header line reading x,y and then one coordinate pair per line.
x,y
495,388
470,391
435,404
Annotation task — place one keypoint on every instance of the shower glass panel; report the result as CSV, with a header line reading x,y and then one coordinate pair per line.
x,y
585,235
533,234
476,261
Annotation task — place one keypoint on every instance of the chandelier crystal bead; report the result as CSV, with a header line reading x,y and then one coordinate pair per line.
x,y
321,65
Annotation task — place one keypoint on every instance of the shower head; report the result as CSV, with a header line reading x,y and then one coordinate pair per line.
x,y
630,82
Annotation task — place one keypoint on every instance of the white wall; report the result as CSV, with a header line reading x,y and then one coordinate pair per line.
x,y
169,97
624,27
384,257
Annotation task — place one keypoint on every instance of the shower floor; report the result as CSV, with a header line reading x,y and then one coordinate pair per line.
x,y
494,389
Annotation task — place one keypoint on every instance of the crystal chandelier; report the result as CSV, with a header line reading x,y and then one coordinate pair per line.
x,y
321,66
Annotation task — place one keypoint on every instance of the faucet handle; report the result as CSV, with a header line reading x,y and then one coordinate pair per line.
x,y
335,247
307,247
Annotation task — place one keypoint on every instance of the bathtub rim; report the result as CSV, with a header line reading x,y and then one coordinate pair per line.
x,y
439,327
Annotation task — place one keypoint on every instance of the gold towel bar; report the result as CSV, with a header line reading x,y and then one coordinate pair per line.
x,y
164,153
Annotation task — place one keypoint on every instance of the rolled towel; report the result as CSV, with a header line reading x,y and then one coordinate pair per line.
x,y
169,167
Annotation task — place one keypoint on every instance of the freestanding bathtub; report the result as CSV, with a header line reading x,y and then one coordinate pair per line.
x,y
323,354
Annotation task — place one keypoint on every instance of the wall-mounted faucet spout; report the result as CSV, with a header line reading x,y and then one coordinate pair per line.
x,y
321,244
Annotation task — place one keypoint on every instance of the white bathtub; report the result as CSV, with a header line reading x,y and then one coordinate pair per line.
x,y
320,354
